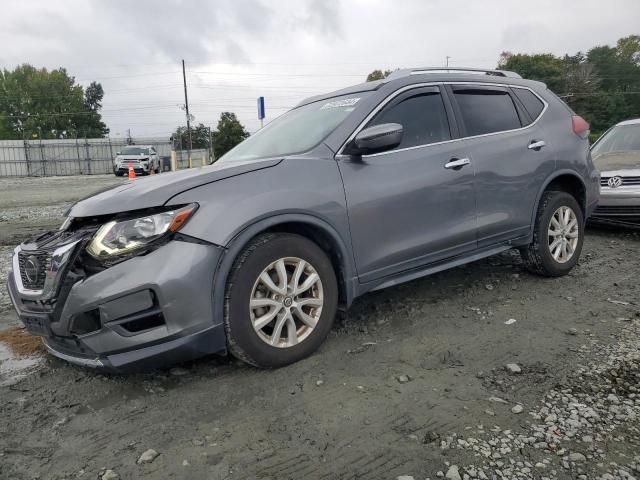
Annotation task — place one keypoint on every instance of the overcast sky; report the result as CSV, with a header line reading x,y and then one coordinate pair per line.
x,y
286,50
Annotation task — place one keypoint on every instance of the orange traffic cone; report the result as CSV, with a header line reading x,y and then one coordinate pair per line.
x,y
132,172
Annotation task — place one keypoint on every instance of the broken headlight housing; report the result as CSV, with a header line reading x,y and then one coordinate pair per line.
x,y
125,236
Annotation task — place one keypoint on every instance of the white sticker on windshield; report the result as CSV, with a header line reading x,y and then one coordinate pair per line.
x,y
346,102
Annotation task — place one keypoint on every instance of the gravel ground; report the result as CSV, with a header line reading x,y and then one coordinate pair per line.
x,y
483,371
577,427
5,266
32,205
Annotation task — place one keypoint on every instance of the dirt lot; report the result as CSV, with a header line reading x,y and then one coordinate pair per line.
x,y
413,381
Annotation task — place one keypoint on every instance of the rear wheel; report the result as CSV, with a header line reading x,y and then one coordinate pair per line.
x,y
280,300
557,237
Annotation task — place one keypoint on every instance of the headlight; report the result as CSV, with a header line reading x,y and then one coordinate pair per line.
x,y
117,238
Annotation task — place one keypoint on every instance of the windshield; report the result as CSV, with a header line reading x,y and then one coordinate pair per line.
x,y
134,151
297,131
619,148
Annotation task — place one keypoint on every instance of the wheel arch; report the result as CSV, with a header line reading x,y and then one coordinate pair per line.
x,y
309,226
567,181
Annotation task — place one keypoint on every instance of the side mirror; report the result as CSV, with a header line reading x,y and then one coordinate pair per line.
x,y
377,138
118,153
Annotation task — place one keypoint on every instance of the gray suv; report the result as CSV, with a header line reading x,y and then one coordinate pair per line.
x,y
348,192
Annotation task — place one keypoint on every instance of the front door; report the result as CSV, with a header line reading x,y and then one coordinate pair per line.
x,y
415,204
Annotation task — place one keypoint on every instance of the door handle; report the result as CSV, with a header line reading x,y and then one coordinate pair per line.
x,y
457,163
536,145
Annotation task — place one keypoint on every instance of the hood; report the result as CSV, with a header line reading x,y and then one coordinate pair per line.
x,y
156,190
616,161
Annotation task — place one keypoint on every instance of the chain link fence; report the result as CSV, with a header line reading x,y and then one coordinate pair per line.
x,y
82,156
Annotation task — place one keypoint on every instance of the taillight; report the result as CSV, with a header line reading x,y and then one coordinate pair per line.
x,y
580,126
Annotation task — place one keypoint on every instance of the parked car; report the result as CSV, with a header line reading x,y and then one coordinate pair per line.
x,y
617,155
348,192
143,158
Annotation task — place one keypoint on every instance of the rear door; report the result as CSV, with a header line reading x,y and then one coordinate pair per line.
x,y
510,155
410,206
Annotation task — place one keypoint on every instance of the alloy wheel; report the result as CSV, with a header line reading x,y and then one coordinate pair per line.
x,y
286,302
564,233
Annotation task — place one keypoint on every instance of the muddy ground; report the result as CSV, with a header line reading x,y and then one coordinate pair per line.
x,y
412,382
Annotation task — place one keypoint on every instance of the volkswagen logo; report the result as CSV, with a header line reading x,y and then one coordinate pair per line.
x,y
614,182
32,269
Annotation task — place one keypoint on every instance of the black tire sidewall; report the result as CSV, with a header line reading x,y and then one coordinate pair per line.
x,y
240,331
554,201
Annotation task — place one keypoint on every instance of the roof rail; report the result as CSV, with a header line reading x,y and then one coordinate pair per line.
x,y
404,72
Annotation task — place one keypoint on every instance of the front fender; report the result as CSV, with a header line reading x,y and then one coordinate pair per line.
x,y
300,190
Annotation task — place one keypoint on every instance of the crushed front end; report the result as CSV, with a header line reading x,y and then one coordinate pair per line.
x,y
143,309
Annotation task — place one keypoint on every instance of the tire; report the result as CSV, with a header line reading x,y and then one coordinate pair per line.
x,y
261,346
544,256
118,173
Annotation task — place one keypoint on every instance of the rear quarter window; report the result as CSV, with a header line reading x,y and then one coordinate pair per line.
x,y
486,111
532,104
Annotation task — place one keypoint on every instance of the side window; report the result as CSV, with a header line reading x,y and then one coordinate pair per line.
x,y
532,104
422,116
486,111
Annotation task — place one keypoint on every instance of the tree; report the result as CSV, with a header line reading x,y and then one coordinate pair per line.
x,y
378,75
38,103
228,134
544,67
94,126
602,85
93,96
199,137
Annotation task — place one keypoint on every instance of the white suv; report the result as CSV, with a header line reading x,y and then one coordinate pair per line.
x,y
143,158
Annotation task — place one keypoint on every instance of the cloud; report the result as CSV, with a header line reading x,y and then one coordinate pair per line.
x,y
195,30
236,50
323,17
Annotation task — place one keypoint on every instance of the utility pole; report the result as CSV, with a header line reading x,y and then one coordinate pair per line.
x,y
212,155
186,107
448,57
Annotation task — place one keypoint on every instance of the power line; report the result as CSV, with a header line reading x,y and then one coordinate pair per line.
x,y
112,92
178,85
216,106
393,61
318,75
593,94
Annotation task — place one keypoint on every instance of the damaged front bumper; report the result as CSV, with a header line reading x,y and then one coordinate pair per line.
x,y
145,312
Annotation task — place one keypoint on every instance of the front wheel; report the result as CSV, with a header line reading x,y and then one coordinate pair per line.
x,y
557,237
280,300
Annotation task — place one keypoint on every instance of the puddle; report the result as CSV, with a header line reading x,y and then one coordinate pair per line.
x,y
20,354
